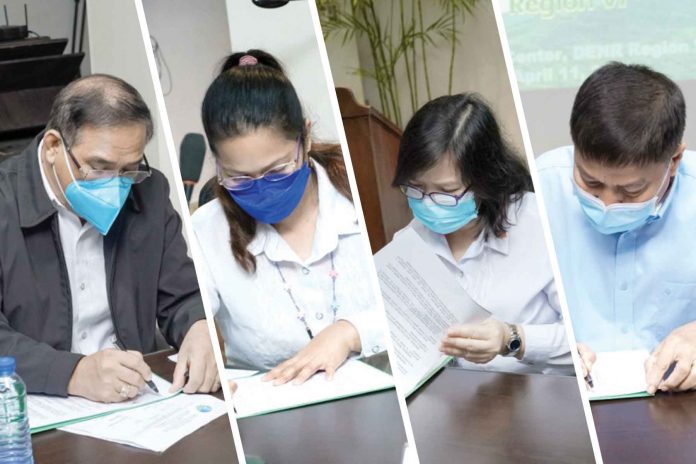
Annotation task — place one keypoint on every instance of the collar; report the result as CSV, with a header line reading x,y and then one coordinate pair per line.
x,y
439,244
34,204
337,217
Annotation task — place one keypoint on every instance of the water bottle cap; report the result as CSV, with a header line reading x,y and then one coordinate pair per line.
x,y
7,365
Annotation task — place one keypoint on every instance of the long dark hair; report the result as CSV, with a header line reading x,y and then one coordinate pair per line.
x,y
464,127
242,99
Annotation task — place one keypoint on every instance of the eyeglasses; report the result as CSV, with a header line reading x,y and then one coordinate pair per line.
x,y
275,174
439,198
88,173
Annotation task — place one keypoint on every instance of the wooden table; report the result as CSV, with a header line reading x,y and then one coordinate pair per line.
x,y
212,443
363,429
661,429
485,417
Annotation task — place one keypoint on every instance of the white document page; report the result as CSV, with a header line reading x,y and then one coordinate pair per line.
x,y
47,410
254,397
156,426
230,374
422,300
618,373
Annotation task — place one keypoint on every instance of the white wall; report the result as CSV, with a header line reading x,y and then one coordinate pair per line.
x,y
194,38
49,18
288,34
116,48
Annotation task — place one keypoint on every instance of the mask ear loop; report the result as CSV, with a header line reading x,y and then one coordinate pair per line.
x,y
662,197
55,174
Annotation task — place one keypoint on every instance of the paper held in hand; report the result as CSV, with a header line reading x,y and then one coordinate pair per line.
x,y
422,299
619,374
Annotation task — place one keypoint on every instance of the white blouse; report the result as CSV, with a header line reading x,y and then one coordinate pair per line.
x,y
511,277
257,318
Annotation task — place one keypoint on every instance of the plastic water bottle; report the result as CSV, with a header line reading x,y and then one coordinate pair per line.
x,y
15,440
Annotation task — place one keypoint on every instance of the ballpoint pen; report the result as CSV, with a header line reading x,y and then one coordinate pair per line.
x,y
149,383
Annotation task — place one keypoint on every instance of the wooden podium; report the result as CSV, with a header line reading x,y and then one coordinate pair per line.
x,y
373,142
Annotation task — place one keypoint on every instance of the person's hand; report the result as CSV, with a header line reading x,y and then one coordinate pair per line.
x,y
197,358
678,349
109,376
326,352
587,359
233,386
478,343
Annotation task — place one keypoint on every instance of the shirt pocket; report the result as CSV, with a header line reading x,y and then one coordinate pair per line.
x,y
672,304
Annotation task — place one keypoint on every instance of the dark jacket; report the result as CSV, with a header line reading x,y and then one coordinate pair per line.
x,y
150,278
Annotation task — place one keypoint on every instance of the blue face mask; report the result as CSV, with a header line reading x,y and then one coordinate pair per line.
x,y
444,219
97,201
618,217
272,201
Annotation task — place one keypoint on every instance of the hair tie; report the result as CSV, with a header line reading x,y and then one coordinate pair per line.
x,y
248,60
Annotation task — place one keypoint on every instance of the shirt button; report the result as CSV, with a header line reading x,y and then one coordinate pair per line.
x,y
376,349
83,335
305,270
668,291
319,316
624,329
623,286
82,286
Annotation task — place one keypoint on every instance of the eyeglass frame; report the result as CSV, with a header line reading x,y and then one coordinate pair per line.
x,y
251,180
85,171
457,198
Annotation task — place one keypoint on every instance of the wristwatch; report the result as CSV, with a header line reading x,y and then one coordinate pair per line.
x,y
514,342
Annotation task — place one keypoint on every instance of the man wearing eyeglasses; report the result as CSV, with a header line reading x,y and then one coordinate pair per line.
x,y
620,202
92,261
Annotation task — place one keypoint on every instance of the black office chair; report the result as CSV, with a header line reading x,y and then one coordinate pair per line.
x,y
207,192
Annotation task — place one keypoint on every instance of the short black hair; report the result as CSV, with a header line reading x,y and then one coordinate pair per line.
x,y
627,115
98,100
243,98
463,126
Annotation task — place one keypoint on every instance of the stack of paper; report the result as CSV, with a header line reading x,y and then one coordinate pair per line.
x,y
619,374
156,426
422,300
50,412
151,421
254,397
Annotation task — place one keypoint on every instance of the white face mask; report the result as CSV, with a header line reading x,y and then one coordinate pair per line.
x,y
619,217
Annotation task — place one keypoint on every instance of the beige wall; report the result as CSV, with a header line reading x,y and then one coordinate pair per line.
x,y
479,67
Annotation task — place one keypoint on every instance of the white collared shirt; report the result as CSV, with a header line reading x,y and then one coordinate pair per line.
x,y
511,277
255,313
83,250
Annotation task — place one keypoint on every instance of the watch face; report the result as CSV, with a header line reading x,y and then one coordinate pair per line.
x,y
515,345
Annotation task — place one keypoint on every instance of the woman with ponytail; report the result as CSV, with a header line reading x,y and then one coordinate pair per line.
x,y
281,243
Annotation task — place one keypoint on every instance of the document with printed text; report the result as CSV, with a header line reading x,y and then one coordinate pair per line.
x,y
422,299
155,426
50,412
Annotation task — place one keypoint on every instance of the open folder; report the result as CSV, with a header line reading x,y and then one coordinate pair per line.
x,y
619,374
422,299
255,397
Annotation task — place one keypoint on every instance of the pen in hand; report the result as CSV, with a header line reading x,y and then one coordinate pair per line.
x,y
588,379
149,383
